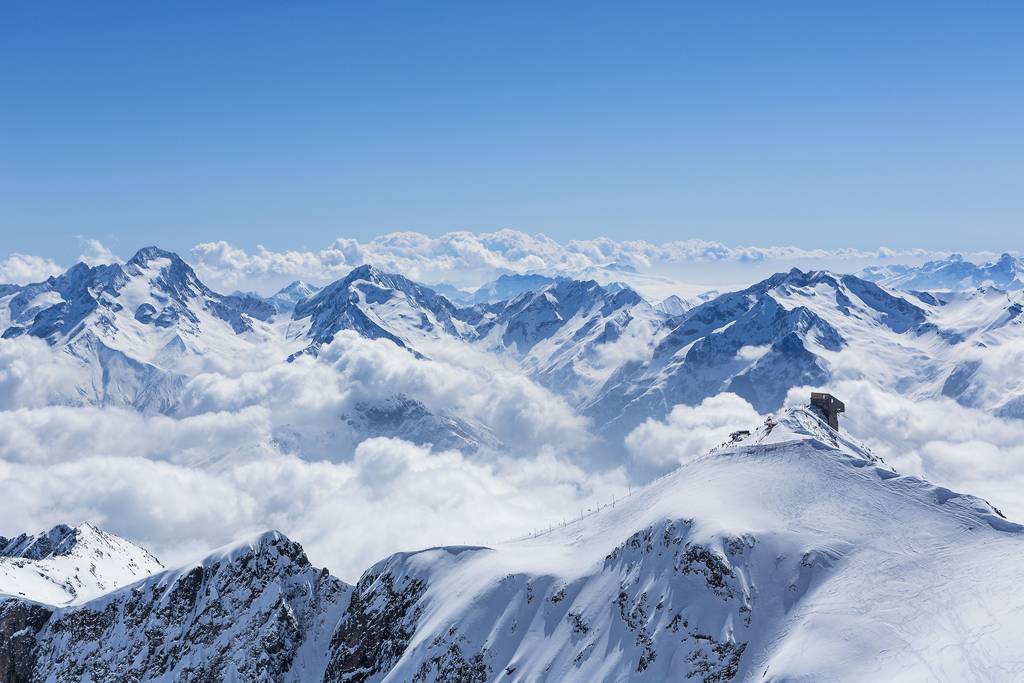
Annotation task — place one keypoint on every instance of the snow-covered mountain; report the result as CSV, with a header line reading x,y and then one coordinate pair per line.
x,y
951,274
251,611
285,300
675,305
508,287
796,328
155,288
70,564
566,335
132,328
138,333
377,305
789,553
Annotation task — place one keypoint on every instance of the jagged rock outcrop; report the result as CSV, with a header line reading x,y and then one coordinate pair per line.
x,y
254,611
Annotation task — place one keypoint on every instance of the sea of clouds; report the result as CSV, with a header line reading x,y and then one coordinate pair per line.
x,y
251,449
257,444
228,462
467,259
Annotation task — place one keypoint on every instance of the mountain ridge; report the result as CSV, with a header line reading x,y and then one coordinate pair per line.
x,y
788,553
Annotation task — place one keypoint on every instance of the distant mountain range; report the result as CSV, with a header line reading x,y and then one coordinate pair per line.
x,y
137,333
951,274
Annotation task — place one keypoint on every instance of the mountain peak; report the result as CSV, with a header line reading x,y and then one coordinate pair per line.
x,y
364,272
65,563
151,253
1006,261
55,541
297,286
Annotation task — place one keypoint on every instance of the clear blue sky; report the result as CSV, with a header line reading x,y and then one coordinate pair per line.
x,y
819,124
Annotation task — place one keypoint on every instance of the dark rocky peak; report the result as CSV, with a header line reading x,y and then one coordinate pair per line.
x,y
145,255
57,541
799,279
254,611
340,306
380,286
568,297
897,313
175,277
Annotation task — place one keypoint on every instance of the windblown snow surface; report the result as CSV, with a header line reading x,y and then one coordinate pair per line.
x,y
792,555
789,554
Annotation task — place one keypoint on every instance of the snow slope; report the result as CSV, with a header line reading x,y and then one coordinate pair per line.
x,y
787,554
792,555
289,297
377,305
66,565
568,336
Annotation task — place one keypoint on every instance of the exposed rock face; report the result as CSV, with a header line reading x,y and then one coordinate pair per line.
x,y
659,601
20,622
256,611
379,622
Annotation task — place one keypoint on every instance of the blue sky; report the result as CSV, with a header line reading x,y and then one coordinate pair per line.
x,y
761,123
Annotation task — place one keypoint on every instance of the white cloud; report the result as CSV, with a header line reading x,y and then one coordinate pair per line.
x,y
31,374
94,253
258,443
21,269
392,496
262,448
752,353
307,398
469,259
689,431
